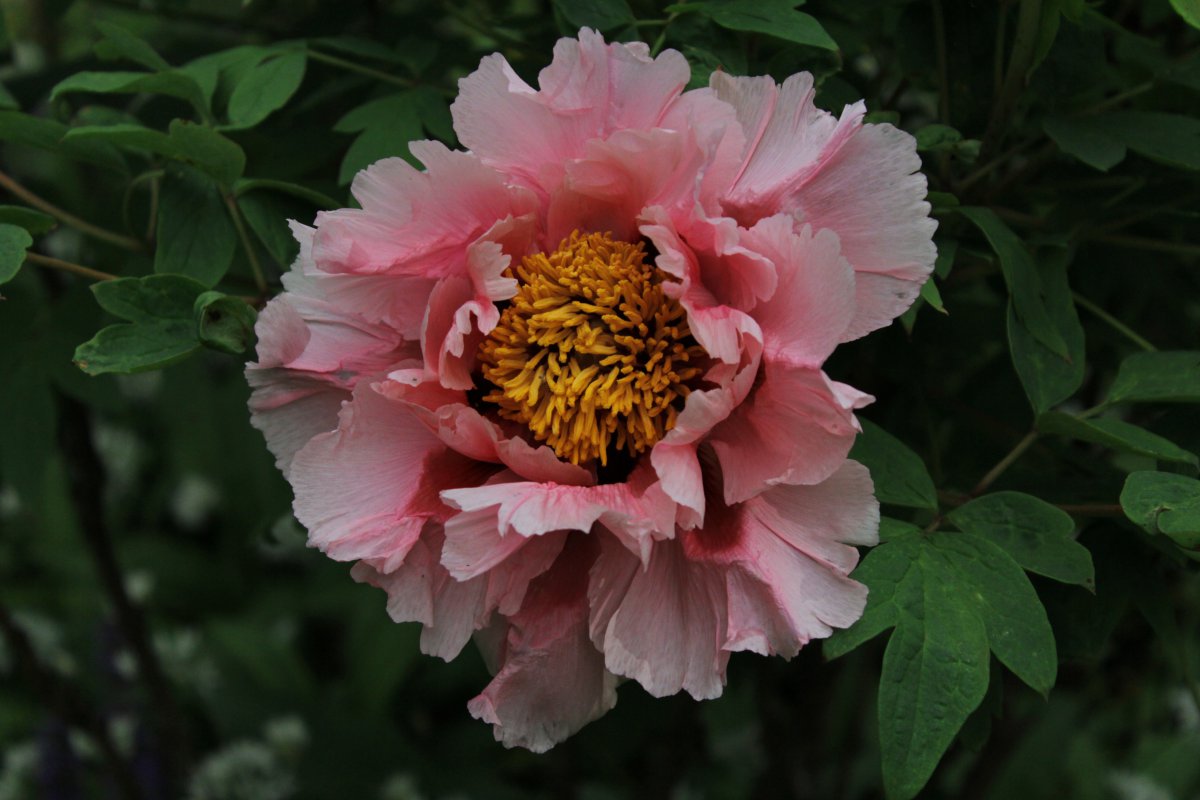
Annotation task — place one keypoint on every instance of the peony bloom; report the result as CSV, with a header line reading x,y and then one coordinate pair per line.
x,y
562,393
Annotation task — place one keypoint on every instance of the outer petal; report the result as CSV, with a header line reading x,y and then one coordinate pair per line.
x,y
767,575
796,427
366,490
860,181
417,223
589,90
552,680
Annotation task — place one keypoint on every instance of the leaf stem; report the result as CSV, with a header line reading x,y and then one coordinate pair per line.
x,y
350,66
1114,323
68,266
1003,464
67,218
235,213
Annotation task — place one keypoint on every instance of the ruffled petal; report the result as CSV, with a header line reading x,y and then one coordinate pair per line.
x,y
366,490
589,90
551,681
796,427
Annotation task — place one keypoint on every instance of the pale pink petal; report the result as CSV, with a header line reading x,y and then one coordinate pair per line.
x,y
663,625
366,490
637,510
552,681
417,223
290,409
815,300
674,457
796,427
589,90
420,590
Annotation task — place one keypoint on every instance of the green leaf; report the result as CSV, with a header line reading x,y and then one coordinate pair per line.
x,y
950,598
933,138
1046,377
947,250
33,221
224,323
899,474
14,241
1021,275
120,43
46,134
778,18
1036,534
603,15
171,83
266,88
386,126
1116,434
1170,139
7,101
1165,377
1088,141
1162,502
160,330
195,235
267,214
184,141
318,199
1189,10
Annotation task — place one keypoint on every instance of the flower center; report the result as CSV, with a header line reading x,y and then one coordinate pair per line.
x,y
590,354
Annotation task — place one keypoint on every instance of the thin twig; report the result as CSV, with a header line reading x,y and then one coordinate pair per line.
x,y
1114,323
67,218
350,66
1145,243
68,266
1003,464
1029,15
235,213
64,699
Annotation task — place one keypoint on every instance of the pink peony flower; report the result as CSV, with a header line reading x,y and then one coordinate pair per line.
x,y
562,392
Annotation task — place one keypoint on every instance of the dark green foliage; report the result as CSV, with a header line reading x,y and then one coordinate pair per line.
x,y
1033,444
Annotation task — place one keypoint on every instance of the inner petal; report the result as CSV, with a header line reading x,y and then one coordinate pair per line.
x,y
590,354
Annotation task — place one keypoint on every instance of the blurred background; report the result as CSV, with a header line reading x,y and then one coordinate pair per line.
x,y
167,633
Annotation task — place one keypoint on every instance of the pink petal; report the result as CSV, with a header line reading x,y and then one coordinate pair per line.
x,y
796,427
662,626
552,680
366,490
815,300
589,90
417,223
290,409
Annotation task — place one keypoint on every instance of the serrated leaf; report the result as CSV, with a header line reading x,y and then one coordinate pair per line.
x,y
1046,377
198,145
603,15
266,88
160,329
1083,138
951,597
195,236
1021,275
1164,377
31,220
14,241
120,43
1036,534
899,474
224,323
1116,434
778,18
1162,502
171,83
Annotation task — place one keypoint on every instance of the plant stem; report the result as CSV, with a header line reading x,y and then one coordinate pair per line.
x,y
1145,243
65,701
120,240
260,280
1115,323
1003,464
939,36
85,474
1029,17
1118,99
67,266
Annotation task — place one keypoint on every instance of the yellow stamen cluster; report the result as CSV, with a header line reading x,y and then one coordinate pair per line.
x,y
590,353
